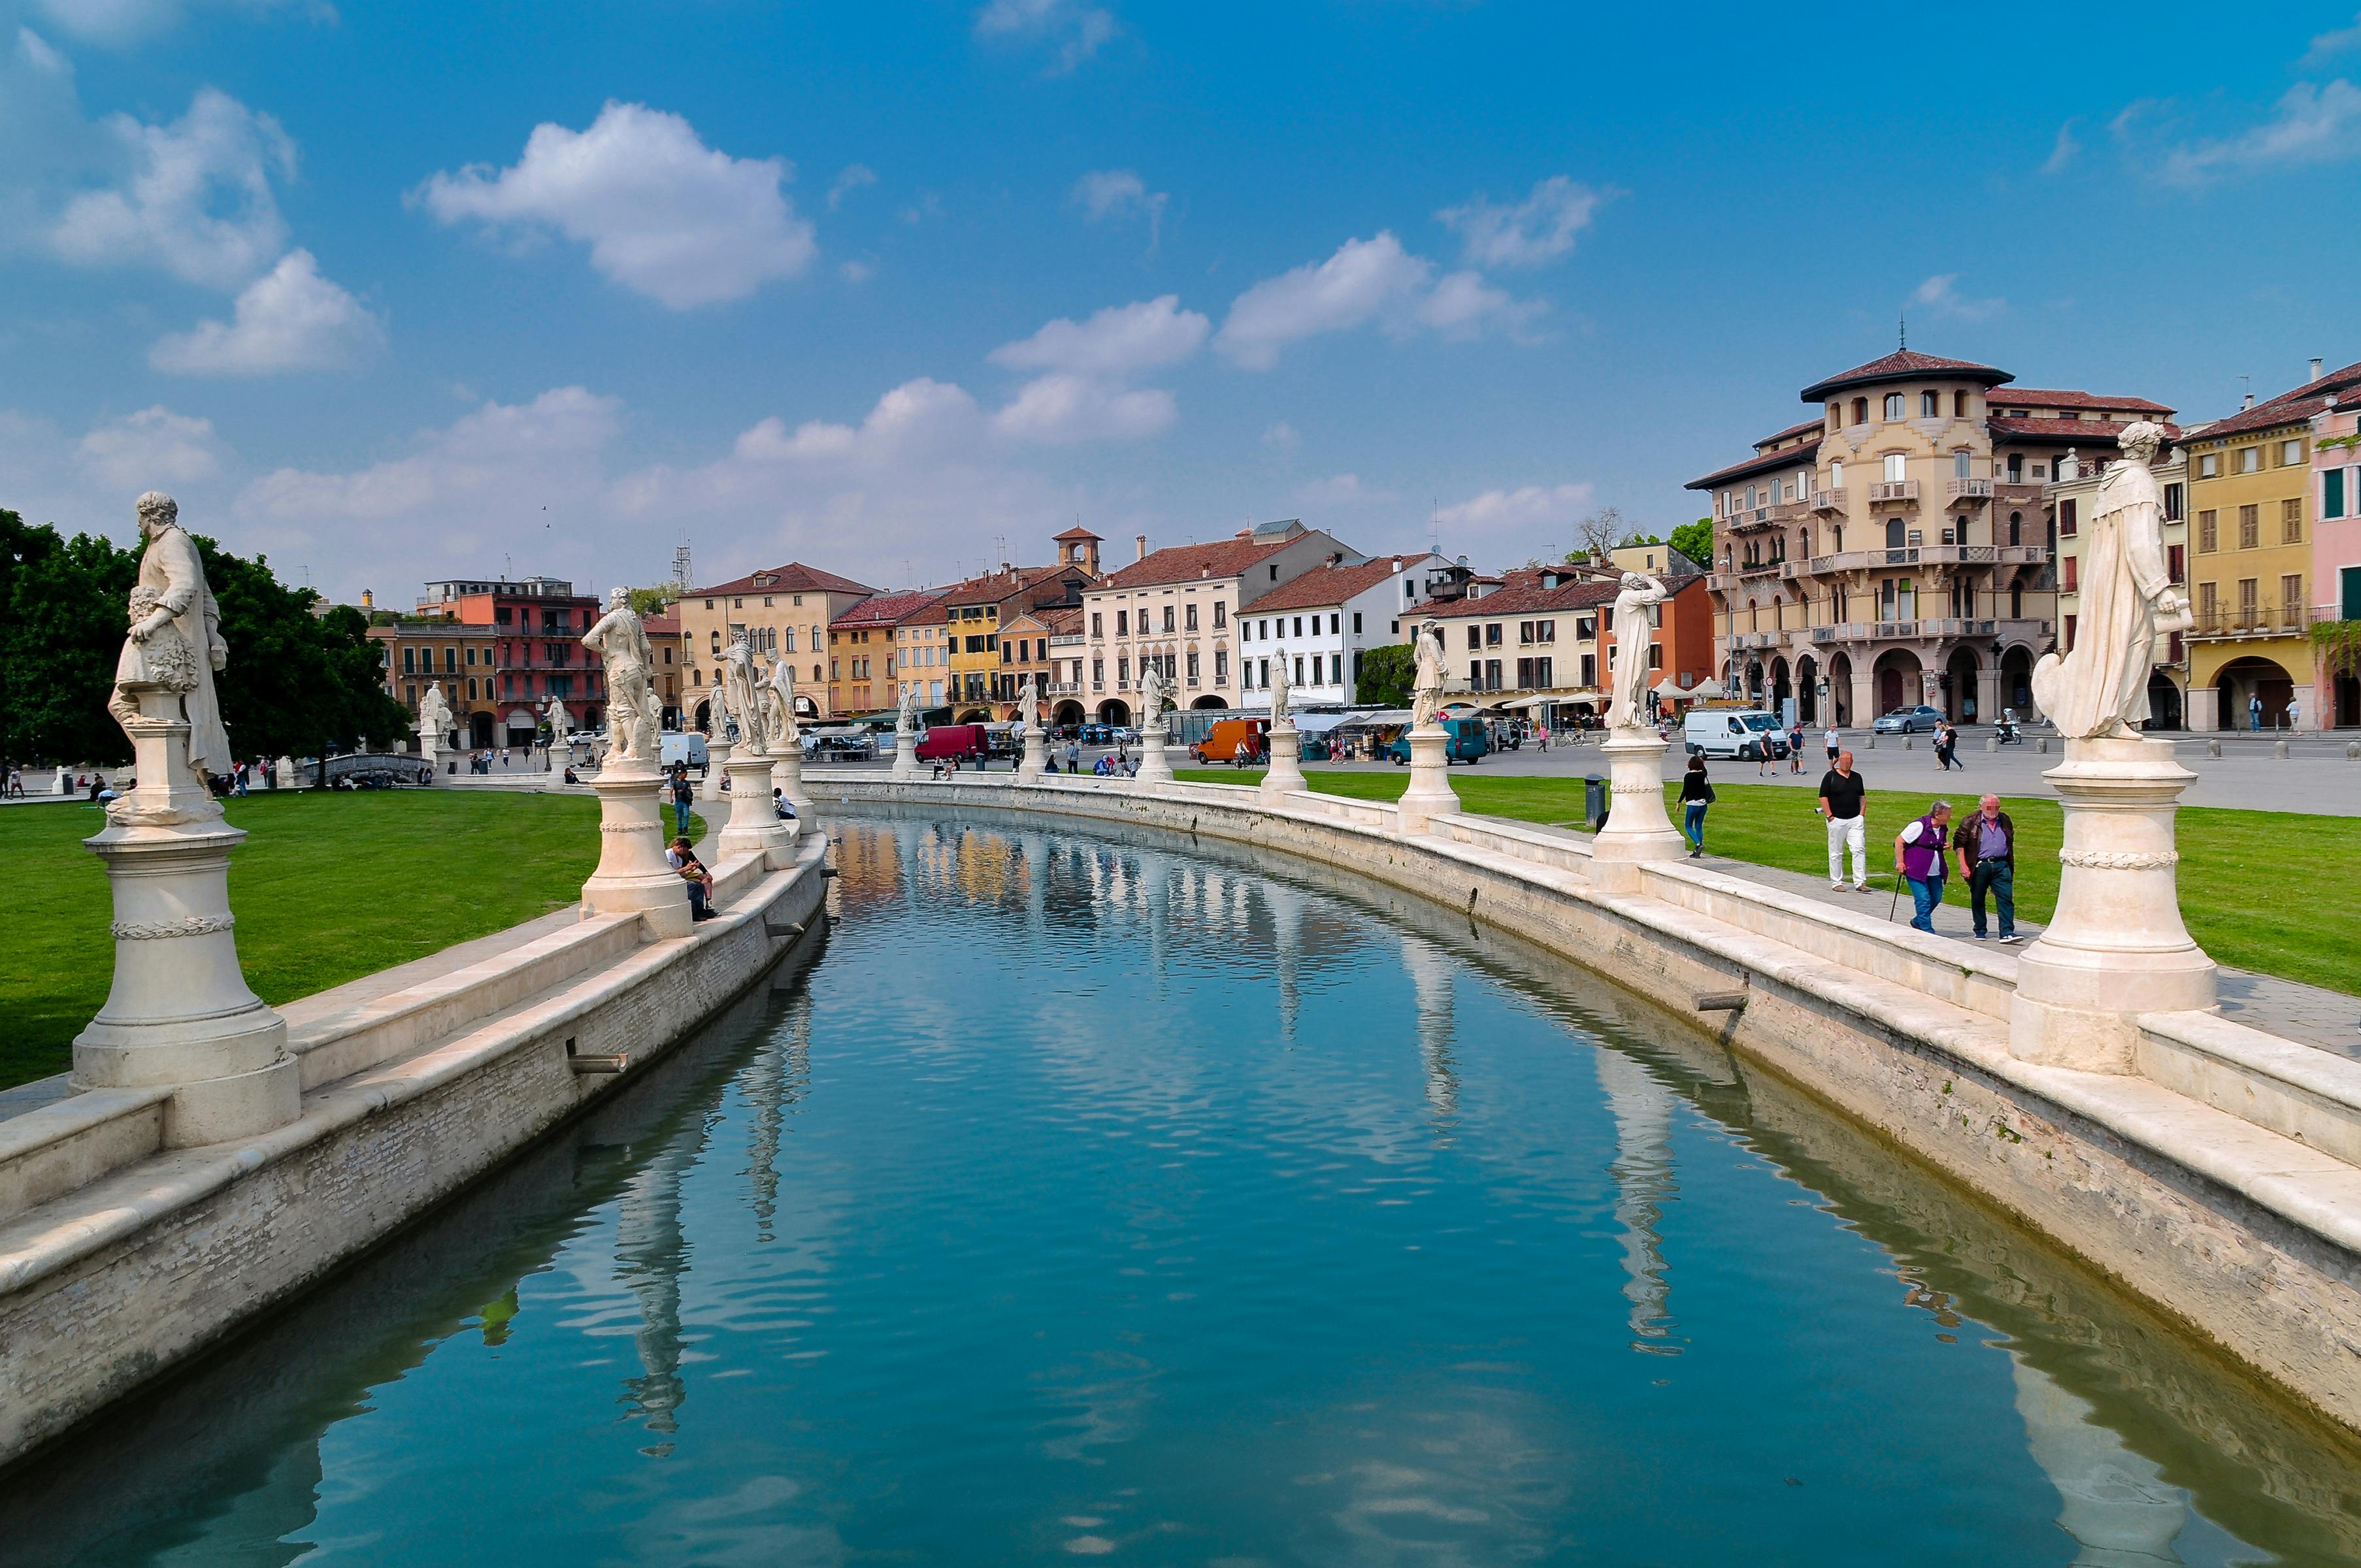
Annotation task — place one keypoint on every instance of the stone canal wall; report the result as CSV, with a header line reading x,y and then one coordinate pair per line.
x,y
120,1257
2220,1181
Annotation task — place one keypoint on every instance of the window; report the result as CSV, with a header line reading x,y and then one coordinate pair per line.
x,y
1336,623
1190,618
1123,624
2290,453
1893,406
1959,463
1836,473
1337,669
1221,614
2249,601
1930,405
1221,666
2291,521
2176,564
2067,643
1122,674
1167,617
2070,579
1590,670
1896,467
2209,464
1356,620
1098,626
2208,609
2248,460
2173,500
1491,634
2067,521
2208,540
1958,405
1475,635
1192,666
2250,528
1098,674
1861,411
1546,631
2291,600
2331,493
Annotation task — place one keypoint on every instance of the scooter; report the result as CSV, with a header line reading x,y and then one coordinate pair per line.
x,y
2007,731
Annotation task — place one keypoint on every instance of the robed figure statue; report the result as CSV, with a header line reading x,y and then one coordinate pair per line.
x,y
2098,688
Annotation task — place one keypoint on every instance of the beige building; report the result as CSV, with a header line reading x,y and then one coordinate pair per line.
x,y
1896,549
785,612
1176,608
2073,485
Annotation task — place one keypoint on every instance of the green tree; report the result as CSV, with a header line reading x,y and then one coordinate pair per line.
x,y
1694,540
652,601
1388,674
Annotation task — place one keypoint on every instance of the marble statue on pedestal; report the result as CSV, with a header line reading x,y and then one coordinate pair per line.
x,y
1426,683
172,588
434,720
736,684
1155,696
560,723
716,711
1028,717
780,731
1628,707
2098,689
1282,693
621,642
906,711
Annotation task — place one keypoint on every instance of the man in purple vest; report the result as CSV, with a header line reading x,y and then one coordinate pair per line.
x,y
1918,856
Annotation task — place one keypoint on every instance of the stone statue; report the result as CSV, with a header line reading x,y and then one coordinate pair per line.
x,y
622,642
434,719
2098,689
1426,688
1627,706
1282,691
734,684
560,723
1026,721
1154,692
779,727
905,712
172,589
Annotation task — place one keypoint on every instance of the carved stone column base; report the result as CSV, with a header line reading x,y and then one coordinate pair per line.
x,y
1286,772
787,777
716,766
632,878
1638,830
755,828
2115,948
905,754
179,1011
1035,760
1154,766
1430,794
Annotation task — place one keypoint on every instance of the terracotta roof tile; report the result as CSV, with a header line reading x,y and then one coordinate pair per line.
x,y
1076,532
2099,432
1189,562
2289,407
1903,365
1761,463
890,610
2036,398
1525,598
1325,586
795,578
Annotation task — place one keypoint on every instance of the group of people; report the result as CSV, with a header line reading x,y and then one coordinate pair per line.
x,y
1983,849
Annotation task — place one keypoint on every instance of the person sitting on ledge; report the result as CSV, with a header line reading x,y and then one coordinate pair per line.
x,y
683,859
780,803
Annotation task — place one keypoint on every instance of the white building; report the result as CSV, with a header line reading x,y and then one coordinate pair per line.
x,y
1322,623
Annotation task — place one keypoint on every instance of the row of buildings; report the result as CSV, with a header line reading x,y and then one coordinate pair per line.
x,y
1918,541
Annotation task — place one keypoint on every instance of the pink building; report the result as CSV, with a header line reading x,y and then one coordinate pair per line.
x,y
2336,552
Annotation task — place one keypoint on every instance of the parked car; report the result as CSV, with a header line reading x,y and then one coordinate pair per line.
x,y
1747,732
1467,743
1908,720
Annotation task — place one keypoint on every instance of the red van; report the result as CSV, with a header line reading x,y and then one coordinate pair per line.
x,y
944,741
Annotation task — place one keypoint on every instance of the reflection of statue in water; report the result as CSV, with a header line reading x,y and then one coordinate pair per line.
x,y
621,641
1426,686
172,579
1626,708
737,686
2099,690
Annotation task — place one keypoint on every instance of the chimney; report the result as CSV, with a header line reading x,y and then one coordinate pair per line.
x,y
2315,371
1139,542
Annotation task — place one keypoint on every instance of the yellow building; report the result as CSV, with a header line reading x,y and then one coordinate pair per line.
x,y
2250,660
922,656
863,651
785,612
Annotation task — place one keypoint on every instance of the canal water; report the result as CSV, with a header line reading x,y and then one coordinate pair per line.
x,y
1116,1198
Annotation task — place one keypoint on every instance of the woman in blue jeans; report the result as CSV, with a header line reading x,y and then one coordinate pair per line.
x,y
1695,795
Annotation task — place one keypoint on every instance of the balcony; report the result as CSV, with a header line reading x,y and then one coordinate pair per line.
x,y
1893,492
1932,629
1064,688
1828,500
2233,622
1968,493
1928,555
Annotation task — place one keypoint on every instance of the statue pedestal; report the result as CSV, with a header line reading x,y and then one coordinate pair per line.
x,y
905,754
179,1011
431,755
287,777
717,764
1637,826
1154,766
1430,794
1035,760
1286,762
753,827
632,878
2115,948
787,777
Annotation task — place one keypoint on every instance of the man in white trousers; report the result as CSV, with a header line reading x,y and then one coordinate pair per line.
x,y
1842,799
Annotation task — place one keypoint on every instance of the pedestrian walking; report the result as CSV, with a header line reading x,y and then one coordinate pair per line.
x,y
1919,859
682,795
1796,747
16,783
1843,797
1831,742
1985,848
1696,794
1074,756
2255,711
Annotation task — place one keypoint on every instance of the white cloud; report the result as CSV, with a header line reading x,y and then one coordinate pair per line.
x,y
918,419
37,53
1340,490
194,196
1527,510
1076,27
1281,437
2063,151
1367,281
1060,409
1118,341
854,271
1539,229
151,448
1107,193
120,22
662,213
2312,125
289,319
1938,295
854,177
2330,45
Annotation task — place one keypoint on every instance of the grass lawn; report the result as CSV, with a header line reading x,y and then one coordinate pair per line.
x,y
329,887
2239,870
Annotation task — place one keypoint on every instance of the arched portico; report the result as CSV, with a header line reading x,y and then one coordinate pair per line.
x,y
1208,702
1899,680
1808,694
2254,693
1844,698
2016,681
1068,712
479,731
1961,687
1115,710
976,715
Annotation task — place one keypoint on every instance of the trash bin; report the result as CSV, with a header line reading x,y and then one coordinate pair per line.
x,y
1594,801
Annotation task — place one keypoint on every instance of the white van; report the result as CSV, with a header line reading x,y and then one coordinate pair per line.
x,y
681,746
1747,732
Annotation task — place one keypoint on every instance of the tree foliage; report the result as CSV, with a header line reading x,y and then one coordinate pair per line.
x,y
296,683
1388,676
653,601
1694,540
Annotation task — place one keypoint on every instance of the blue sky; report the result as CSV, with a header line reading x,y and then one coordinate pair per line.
x,y
395,292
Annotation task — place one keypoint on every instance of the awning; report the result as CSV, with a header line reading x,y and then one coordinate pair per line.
x,y
1544,699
